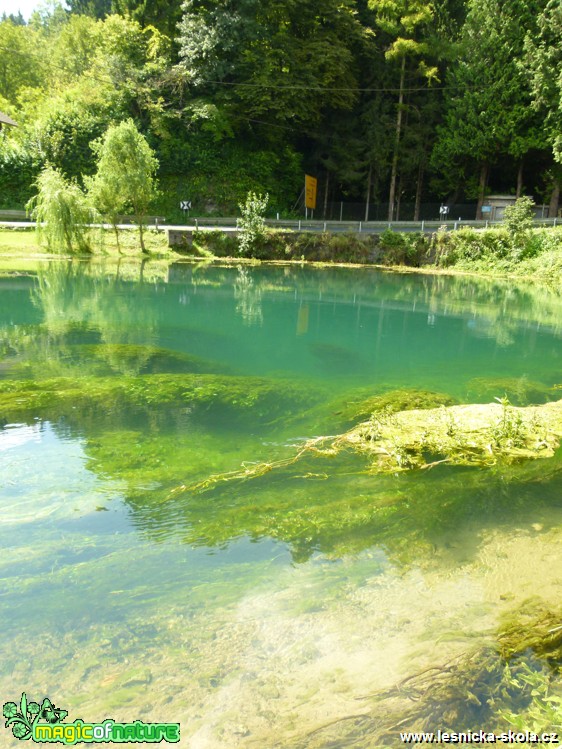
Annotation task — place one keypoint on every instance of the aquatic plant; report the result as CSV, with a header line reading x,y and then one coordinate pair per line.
x,y
507,683
205,397
361,404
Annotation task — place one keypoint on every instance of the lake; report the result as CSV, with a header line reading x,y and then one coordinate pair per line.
x,y
166,558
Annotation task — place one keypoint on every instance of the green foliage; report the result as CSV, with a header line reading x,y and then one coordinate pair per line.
x,y
519,217
125,178
401,248
330,248
525,251
271,51
215,243
62,213
18,172
264,90
489,110
251,225
543,54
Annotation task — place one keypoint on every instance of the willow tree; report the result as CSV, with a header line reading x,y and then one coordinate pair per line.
x,y
62,213
125,179
408,25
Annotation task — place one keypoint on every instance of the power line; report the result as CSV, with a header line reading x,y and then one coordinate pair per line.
x,y
385,89
273,86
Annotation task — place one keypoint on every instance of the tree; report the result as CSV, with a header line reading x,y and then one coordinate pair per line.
x,y
125,177
93,8
488,112
282,63
21,67
408,24
543,57
62,213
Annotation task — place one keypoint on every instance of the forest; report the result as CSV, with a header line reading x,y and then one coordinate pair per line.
x,y
394,105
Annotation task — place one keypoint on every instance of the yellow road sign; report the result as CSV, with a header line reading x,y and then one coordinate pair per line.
x,y
310,188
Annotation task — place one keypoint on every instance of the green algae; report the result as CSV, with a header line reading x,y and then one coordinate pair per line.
x,y
518,390
361,405
211,398
324,504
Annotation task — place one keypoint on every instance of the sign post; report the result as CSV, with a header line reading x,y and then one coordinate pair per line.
x,y
310,190
185,206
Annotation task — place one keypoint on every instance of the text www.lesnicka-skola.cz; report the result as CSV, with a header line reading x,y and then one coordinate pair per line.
x,y
481,737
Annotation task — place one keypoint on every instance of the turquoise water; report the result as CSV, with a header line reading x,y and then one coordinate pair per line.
x,y
257,611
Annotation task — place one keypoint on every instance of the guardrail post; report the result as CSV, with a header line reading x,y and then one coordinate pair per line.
x,y
360,227
197,223
456,224
554,224
299,224
423,225
324,227
486,224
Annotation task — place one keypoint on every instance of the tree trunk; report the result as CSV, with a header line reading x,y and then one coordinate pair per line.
x,y
141,237
519,188
554,198
398,198
327,187
482,189
116,230
368,196
394,170
419,187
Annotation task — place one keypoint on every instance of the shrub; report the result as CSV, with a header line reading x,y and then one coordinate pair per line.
x,y
252,224
518,218
401,248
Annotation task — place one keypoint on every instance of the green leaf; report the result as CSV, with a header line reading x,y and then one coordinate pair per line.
x,y
23,705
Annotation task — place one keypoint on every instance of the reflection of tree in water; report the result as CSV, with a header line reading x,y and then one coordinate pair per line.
x,y
248,298
89,303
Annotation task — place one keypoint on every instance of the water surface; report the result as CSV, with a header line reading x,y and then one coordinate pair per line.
x,y
259,612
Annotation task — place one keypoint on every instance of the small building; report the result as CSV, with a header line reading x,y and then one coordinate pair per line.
x,y
493,207
5,120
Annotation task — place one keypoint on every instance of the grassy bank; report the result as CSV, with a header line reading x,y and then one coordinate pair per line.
x,y
25,243
498,251
495,251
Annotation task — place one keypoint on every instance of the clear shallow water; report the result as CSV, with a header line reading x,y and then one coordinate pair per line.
x,y
257,611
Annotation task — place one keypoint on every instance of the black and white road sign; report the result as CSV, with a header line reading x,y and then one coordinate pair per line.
x,y
185,205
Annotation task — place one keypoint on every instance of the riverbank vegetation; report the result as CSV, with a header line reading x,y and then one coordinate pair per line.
x,y
399,105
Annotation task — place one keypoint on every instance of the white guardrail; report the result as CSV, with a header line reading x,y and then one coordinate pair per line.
x,y
8,220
